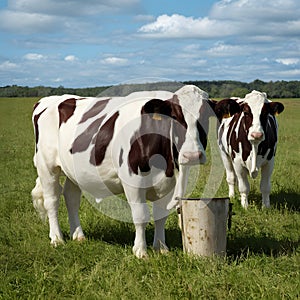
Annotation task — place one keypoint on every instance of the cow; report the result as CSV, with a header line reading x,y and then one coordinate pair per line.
x,y
141,145
247,137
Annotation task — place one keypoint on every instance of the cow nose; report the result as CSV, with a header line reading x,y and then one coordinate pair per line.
x,y
192,156
257,135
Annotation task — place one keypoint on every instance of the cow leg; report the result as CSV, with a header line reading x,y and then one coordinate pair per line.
x,y
230,174
160,215
265,182
51,190
243,185
141,216
72,194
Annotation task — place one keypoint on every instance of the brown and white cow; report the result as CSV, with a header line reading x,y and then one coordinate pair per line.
x,y
141,144
247,140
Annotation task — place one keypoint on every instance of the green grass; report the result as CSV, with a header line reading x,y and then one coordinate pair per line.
x,y
263,253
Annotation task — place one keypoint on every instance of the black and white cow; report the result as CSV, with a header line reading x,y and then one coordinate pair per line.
x,y
141,144
247,139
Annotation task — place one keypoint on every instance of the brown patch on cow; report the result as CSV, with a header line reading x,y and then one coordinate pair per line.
x,y
206,111
36,105
269,126
96,109
36,127
82,142
121,157
179,125
102,140
241,137
151,144
226,108
66,110
270,141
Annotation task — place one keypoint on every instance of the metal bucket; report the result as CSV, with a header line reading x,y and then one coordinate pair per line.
x,y
203,225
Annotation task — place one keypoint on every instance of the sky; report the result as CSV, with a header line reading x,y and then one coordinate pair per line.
x,y
75,43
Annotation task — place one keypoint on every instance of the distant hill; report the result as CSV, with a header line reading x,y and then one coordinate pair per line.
x,y
215,89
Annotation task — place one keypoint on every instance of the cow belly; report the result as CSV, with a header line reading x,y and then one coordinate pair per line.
x,y
99,181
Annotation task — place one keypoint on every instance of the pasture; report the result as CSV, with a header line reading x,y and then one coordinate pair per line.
x,y
263,251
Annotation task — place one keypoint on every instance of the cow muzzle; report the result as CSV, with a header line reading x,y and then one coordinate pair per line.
x,y
192,158
257,136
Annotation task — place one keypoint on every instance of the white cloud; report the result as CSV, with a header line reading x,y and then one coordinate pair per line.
x,y
221,49
71,7
262,19
117,61
265,10
71,58
144,18
288,61
178,26
23,22
51,16
7,65
33,56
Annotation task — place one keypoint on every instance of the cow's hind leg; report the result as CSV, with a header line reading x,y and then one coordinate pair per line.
x,y
46,199
72,194
38,199
265,183
160,215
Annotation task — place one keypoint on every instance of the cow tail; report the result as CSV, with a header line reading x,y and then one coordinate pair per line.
x,y
38,200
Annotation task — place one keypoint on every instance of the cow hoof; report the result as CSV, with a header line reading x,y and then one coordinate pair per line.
x,y
139,252
78,234
57,242
80,239
161,247
244,201
164,250
266,206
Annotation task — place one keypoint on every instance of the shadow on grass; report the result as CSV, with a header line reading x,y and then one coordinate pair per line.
x,y
286,199
282,199
238,247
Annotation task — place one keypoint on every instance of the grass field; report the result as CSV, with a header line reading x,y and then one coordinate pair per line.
x,y
263,251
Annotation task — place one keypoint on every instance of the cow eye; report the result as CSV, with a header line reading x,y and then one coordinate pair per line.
x,y
246,113
174,117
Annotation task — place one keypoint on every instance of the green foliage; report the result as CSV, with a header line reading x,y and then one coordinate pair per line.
x,y
263,252
216,89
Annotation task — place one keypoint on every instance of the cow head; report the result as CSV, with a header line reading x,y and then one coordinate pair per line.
x,y
191,111
175,129
253,110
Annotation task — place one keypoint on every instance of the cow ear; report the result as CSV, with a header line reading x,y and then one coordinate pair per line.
x,y
157,107
226,108
276,108
212,103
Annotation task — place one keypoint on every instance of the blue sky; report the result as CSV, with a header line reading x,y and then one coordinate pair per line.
x,y
77,43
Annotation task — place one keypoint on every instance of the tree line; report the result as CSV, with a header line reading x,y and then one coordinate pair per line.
x,y
215,89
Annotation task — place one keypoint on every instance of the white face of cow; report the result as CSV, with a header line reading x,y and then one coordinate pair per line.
x,y
193,102
252,111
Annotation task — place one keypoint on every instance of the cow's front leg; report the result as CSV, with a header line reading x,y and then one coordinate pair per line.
x,y
160,215
243,184
265,182
140,216
72,194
